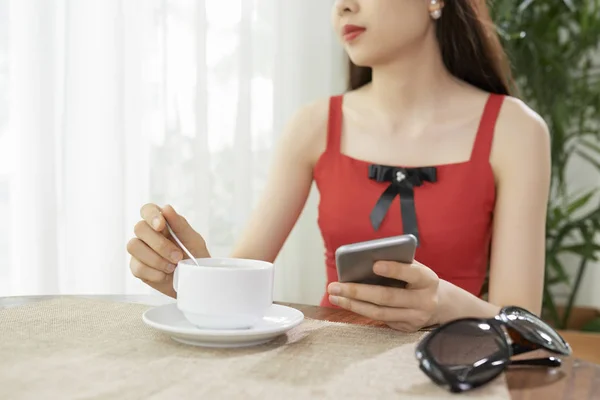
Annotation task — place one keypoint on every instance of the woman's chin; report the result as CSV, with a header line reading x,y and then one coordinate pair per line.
x,y
361,61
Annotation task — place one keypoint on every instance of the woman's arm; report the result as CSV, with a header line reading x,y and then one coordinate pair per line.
x,y
521,162
288,185
522,156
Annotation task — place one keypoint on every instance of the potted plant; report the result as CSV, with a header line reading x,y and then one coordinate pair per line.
x,y
554,50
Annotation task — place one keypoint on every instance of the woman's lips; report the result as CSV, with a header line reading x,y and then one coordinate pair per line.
x,y
351,32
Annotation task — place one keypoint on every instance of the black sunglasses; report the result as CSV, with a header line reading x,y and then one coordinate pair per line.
x,y
467,353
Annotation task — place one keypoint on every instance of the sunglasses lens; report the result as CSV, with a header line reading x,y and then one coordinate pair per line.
x,y
471,351
535,330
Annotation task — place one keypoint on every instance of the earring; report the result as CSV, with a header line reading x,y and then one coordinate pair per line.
x,y
435,8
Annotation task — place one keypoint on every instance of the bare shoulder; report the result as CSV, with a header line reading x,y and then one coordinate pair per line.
x,y
311,117
306,131
519,126
521,138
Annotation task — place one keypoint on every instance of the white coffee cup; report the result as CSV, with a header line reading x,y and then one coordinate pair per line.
x,y
223,293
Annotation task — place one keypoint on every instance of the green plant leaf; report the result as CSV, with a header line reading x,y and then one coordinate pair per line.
x,y
524,5
554,281
570,5
550,306
555,217
558,269
587,250
581,201
592,326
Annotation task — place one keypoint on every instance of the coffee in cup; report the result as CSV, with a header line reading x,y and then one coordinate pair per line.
x,y
223,293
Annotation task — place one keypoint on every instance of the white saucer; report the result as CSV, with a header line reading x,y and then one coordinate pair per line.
x,y
167,318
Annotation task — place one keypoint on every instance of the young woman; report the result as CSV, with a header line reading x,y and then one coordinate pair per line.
x,y
428,104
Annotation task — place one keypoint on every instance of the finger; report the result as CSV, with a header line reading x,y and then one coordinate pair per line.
x,y
177,222
380,295
152,215
141,251
416,275
184,231
146,273
375,312
158,243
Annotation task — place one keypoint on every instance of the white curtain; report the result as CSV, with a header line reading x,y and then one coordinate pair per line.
x,y
106,105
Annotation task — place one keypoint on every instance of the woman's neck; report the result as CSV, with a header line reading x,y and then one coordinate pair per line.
x,y
414,81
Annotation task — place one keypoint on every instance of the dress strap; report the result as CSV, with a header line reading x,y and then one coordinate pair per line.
x,y
487,126
334,126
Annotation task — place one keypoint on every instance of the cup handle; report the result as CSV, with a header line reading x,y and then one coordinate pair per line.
x,y
175,278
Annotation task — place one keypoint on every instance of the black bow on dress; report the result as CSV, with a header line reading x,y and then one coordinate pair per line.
x,y
403,180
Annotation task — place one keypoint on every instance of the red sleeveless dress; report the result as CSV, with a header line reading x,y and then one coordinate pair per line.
x,y
453,214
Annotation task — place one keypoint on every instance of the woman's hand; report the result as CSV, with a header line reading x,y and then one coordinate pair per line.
x,y
154,254
408,309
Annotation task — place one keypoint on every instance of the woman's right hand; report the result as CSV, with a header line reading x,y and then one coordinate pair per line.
x,y
155,254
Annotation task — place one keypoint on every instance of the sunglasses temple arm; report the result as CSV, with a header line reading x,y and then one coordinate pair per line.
x,y
540,362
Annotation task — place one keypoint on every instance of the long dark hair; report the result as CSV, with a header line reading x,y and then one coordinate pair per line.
x,y
470,47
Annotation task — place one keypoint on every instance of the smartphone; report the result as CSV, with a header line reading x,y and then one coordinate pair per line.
x,y
355,261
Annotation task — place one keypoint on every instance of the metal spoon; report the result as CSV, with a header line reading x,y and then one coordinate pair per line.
x,y
181,244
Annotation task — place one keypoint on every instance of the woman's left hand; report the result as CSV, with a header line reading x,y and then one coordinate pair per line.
x,y
406,309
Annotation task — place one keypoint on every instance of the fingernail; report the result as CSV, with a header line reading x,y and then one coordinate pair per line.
x,y
170,268
335,288
156,222
333,300
176,256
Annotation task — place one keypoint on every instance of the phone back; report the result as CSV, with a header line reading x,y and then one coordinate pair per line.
x,y
355,261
